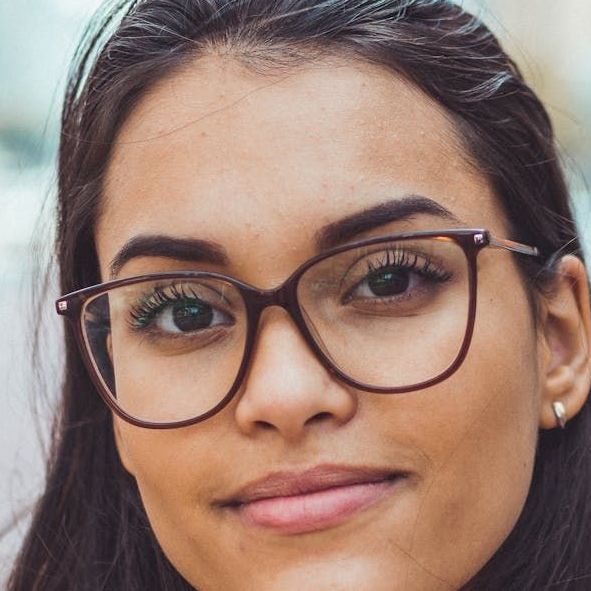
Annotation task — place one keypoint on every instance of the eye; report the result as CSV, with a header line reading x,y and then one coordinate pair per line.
x,y
189,315
177,310
395,275
385,282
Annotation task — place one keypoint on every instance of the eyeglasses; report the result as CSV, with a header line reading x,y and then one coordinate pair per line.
x,y
386,315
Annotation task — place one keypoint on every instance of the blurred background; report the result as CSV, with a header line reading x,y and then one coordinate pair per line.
x,y
550,40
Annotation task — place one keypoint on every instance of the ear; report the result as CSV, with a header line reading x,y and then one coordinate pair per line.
x,y
565,332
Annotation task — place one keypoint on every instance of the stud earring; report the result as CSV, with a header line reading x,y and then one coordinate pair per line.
x,y
559,413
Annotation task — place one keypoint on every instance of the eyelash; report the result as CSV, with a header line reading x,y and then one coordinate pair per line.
x,y
408,260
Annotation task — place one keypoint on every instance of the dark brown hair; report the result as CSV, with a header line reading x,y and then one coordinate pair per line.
x,y
89,529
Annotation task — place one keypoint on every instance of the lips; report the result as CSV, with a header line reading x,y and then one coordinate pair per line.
x,y
315,499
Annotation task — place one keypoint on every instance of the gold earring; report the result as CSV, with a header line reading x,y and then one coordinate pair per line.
x,y
559,413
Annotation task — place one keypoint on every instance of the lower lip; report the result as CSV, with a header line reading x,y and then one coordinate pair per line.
x,y
315,511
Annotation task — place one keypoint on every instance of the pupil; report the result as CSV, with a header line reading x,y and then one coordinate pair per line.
x,y
193,316
389,282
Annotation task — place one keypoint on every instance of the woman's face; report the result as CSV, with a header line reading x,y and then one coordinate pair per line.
x,y
260,165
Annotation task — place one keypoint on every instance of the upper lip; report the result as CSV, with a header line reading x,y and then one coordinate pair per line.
x,y
286,483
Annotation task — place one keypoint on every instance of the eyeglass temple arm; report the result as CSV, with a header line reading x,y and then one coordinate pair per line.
x,y
513,246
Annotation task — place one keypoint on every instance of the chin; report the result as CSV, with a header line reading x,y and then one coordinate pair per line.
x,y
346,572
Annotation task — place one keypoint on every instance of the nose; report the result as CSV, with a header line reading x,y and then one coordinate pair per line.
x,y
287,391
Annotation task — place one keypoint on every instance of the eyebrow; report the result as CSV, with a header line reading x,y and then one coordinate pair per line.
x,y
204,251
179,249
394,210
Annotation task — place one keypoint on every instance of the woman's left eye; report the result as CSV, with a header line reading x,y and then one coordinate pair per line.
x,y
394,277
386,283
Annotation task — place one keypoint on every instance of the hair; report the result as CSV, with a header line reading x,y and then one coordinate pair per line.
x,y
89,530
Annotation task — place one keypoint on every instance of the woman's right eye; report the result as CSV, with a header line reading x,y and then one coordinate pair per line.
x,y
189,316
178,311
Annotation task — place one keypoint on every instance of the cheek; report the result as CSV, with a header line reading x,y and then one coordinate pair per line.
x,y
477,490
480,434
478,430
173,471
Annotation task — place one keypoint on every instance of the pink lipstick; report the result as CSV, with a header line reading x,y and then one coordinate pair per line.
x,y
316,499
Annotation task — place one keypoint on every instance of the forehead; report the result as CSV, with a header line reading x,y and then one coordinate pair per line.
x,y
218,152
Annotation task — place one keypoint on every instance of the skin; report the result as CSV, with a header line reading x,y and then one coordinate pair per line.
x,y
258,164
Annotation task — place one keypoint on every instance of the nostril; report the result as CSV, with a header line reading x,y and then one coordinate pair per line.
x,y
318,418
264,425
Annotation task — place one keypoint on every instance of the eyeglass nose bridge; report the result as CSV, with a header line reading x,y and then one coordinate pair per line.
x,y
283,296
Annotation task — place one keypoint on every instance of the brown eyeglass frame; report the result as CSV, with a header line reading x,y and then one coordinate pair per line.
x,y
472,241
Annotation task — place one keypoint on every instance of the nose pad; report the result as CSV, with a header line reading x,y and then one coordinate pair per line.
x,y
287,390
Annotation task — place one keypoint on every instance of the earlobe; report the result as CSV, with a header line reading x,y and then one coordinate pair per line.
x,y
565,330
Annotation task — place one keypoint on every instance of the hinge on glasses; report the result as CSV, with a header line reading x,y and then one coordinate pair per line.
x,y
479,239
62,306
